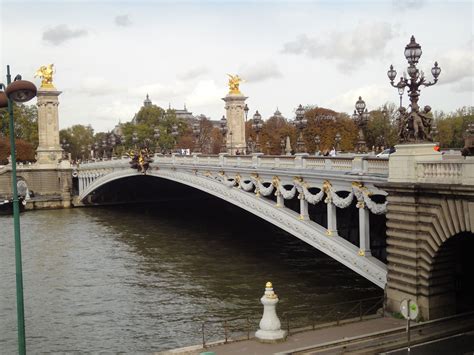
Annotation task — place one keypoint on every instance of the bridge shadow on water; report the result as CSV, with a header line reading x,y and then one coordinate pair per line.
x,y
223,250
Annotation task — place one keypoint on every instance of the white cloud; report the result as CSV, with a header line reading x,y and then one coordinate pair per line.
x,y
122,20
193,73
206,92
347,48
260,71
97,86
373,95
62,33
407,5
456,65
159,91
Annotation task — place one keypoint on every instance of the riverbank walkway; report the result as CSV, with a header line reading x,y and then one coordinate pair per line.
x,y
298,340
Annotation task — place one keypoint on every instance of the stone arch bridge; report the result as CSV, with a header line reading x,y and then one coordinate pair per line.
x,y
428,202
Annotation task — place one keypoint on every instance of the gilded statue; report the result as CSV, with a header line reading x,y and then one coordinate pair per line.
x,y
45,72
234,82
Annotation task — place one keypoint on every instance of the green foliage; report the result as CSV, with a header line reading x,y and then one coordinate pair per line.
x,y
25,119
451,127
382,128
78,137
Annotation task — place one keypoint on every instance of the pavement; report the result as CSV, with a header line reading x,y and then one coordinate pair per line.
x,y
298,340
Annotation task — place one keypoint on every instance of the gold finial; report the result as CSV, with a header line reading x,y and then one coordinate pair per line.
x,y
268,285
234,82
45,72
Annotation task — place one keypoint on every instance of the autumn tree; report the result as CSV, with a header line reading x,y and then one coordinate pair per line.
x,y
25,120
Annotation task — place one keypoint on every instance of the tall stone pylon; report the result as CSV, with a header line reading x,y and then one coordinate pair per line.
x,y
234,105
49,151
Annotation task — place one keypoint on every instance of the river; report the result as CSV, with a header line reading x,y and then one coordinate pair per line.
x,y
139,278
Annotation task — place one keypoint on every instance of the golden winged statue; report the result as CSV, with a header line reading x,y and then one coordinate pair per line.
x,y
234,82
45,72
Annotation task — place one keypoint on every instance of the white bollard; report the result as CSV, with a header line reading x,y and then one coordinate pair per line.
x,y
270,326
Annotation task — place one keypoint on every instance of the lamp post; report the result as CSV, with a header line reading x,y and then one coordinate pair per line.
x,y
250,145
257,125
414,125
196,132
18,91
64,145
282,146
246,110
175,133
156,135
337,140
268,145
317,141
361,116
300,123
223,129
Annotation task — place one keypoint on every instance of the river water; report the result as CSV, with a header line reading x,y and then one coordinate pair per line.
x,y
139,278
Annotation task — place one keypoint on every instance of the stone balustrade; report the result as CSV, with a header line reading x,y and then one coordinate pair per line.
x,y
460,171
345,164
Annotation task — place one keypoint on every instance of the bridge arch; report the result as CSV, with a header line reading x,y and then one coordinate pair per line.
x,y
284,218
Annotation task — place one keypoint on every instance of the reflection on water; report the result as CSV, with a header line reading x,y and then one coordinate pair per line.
x,y
140,277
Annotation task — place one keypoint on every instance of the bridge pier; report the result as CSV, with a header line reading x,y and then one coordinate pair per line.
x,y
304,215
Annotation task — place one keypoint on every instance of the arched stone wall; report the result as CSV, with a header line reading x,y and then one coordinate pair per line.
x,y
420,219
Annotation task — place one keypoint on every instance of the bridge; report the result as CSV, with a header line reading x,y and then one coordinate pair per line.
x,y
425,203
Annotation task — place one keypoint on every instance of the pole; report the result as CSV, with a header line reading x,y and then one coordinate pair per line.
x,y
16,228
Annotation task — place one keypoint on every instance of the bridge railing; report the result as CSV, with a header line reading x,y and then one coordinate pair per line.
x,y
446,172
349,163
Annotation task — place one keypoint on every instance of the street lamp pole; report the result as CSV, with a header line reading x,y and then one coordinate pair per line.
x,y
257,125
300,123
19,91
361,116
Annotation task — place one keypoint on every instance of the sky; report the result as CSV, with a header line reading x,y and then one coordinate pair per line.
x,y
109,54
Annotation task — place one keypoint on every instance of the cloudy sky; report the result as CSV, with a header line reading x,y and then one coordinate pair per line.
x,y
109,55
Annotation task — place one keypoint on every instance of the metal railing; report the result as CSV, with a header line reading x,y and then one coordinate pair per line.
x,y
332,314
295,321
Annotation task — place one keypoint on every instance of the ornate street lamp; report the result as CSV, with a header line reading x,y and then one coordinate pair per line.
x,y
156,135
250,145
196,132
135,139
317,140
337,140
361,116
246,110
65,146
414,126
257,125
19,91
300,123
175,133
223,128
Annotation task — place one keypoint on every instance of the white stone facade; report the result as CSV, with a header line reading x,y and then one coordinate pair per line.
x,y
235,138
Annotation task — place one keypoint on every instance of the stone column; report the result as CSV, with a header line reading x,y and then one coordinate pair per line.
x,y
331,214
364,230
304,215
235,137
49,151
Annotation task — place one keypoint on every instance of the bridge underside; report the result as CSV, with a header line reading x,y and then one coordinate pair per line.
x,y
104,190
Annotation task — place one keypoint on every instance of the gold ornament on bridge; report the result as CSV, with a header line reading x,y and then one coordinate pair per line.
x,y
45,72
234,82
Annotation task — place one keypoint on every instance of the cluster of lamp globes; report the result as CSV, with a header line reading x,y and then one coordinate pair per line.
x,y
19,91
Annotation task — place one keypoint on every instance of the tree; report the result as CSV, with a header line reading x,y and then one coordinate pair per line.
x,y
25,152
382,129
452,127
79,137
25,119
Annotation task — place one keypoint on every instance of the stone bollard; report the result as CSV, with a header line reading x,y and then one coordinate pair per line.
x,y
270,326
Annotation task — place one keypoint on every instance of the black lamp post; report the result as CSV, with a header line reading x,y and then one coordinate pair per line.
x,y
337,140
246,110
175,133
65,146
257,125
317,141
223,129
414,125
19,91
300,123
156,135
196,132
361,116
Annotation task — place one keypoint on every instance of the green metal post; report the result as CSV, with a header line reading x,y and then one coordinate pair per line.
x,y
16,228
